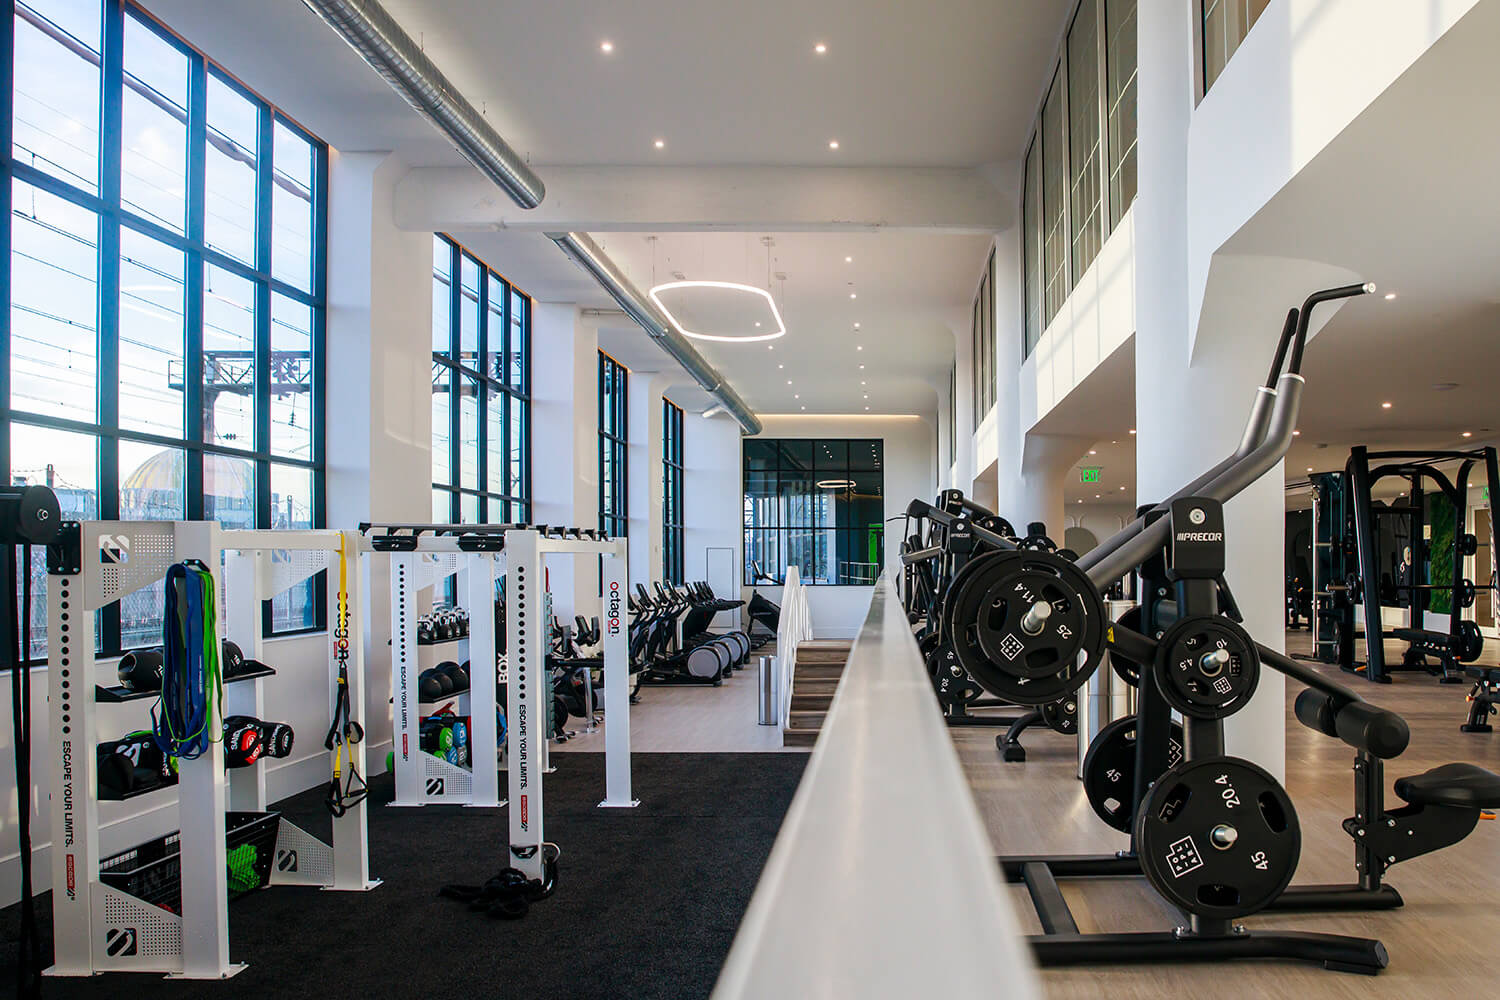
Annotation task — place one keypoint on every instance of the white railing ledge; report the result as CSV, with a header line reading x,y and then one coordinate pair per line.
x,y
882,881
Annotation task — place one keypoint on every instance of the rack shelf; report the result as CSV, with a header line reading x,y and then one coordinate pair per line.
x,y
117,694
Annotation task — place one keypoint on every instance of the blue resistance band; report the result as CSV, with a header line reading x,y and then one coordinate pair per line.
x,y
182,720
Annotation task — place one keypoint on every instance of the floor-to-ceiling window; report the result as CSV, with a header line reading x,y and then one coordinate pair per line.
x,y
983,341
614,436
817,504
672,500
481,403
165,260
1079,174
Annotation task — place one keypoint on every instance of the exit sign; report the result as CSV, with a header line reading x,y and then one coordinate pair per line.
x,y
1091,475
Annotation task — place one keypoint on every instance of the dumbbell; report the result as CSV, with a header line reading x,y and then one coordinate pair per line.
x,y
424,630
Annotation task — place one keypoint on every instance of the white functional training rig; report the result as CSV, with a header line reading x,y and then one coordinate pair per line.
x,y
97,928
421,555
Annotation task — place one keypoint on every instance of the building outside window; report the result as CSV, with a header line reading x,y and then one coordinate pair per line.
x,y
481,402
672,517
166,255
614,440
815,504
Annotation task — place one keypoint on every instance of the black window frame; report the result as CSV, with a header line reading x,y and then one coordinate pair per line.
x,y
673,504
454,366
614,447
113,218
823,467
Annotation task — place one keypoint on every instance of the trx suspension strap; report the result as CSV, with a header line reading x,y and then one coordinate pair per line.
x,y
182,721
343,732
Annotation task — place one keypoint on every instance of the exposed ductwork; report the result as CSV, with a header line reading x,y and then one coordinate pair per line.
x,y
392,53
603,270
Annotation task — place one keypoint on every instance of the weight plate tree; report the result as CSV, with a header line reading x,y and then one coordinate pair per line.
x,y
1109,770
1020,622
1207,667
1218,837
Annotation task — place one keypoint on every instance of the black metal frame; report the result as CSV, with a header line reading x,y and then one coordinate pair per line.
x,y
113,217
1195,592
673,502
456,367
785,469
1362,471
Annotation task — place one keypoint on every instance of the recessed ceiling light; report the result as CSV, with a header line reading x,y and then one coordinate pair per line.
x,y
852,295
861,367
1468,434
1122,489
1389,296
606,46
660,144
856,325
821,48
757,322
867,395
1385,406
781,366
788,381
1296,434
796,395
770,347
867,408
1132,430
833,144
1093,451
864,383
1097,496
1080,501
1309,468
804,407
848,260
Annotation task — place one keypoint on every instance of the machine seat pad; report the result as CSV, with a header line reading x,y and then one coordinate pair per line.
x,y
1423,636
1463,785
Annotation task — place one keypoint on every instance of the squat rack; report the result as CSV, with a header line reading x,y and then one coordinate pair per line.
x,y
98,928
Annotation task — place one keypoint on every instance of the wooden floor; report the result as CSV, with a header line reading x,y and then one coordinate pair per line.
x,y
1441,943
694,718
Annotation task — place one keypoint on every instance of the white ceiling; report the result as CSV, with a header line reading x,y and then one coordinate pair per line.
x,y
951,83
911,290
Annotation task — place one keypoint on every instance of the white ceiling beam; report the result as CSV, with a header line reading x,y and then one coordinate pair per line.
x,y
695,199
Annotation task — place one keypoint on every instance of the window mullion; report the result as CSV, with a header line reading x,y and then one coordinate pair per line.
x,y
7,123
197,142
265,166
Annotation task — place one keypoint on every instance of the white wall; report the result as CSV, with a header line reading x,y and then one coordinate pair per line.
x,y
711,494
910,471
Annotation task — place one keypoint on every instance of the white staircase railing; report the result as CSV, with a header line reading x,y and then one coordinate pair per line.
x,y
794,627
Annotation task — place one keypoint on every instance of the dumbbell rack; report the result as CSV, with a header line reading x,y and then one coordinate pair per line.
x,y
97,928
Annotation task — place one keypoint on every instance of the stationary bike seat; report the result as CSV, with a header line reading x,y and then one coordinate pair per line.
x,y
1463,785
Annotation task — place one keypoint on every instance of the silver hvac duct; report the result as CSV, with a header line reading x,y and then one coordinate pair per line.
x,y
379,40
393,54
593,260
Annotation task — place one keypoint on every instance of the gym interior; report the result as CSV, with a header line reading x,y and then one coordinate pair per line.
x,y
821,499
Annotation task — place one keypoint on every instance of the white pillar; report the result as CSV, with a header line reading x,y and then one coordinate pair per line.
x,y
645,486
1192,399
565,443
379,381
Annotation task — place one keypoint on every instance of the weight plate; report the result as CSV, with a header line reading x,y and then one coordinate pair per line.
x,y
1127,669
1470,642
1061,716
1206,667
1218,837
1109,770
953,686
985,615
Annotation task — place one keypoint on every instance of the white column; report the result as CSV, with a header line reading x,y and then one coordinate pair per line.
x,y
379,383
565,441
1192,399
645,487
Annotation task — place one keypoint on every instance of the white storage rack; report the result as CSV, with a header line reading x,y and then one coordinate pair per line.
x,y
423,554
97,928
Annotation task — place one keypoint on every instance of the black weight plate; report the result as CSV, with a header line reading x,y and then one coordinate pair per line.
x,y
991,593
1109,770
997,524
1200,690
1127,669
1470,642
1218,837
1061,716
